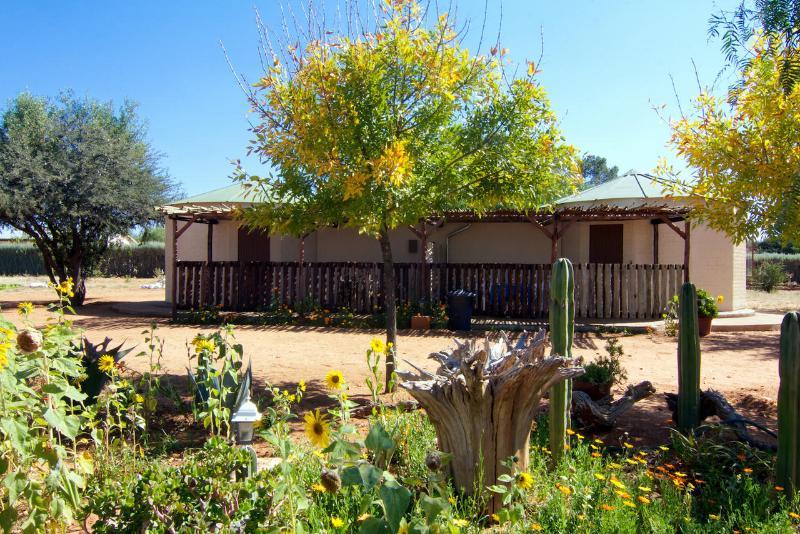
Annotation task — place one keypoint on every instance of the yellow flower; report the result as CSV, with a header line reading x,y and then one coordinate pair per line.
x,y
645,489
617,483
599,476
138,399
105,364
642,499
302,386
461,523
794,515
720,299
713,517
65,288
495,518
623,494
317,428
202,344
451,500
629,504
607,507
336,522
377,345
3,358
525,480
566,490
334,380
25,308
536,527
319,488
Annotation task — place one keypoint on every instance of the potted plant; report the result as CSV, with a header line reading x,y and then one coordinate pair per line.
x,y
706,311
603,373
420,322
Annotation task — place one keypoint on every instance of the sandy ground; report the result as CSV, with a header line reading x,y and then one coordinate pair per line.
x,y
776,302
744,366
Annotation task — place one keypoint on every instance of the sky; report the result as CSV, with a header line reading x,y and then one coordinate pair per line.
x,y
605,64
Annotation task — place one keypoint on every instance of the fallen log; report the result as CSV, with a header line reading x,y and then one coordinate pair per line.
x,y
604,415
713,403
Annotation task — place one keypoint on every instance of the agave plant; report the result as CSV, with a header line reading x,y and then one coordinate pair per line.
x,y
96,379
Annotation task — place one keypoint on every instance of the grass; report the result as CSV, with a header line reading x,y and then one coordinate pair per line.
x,y
780,301
4,286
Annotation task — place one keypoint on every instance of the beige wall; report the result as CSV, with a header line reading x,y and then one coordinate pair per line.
x,y
717,265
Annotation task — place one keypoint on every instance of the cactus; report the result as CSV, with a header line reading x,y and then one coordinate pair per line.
x,y
788,466
562,330
688,413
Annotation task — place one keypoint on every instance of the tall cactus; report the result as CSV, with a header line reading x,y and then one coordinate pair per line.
x,y
562,330
788,467
688,413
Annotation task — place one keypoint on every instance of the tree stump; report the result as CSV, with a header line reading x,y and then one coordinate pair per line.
x,y
483,400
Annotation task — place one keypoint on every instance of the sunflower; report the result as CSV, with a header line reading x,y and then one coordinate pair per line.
x,y
106,363
524,480
203,345
317,428
25,308
334,380
3,358
377,345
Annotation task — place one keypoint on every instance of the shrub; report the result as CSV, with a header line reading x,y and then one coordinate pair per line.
x,y
706,304
768,275
607,369
207,492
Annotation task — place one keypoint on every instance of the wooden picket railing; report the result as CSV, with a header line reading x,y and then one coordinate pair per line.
x,y
602,291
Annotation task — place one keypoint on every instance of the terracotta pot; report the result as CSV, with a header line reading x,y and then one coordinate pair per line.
x,y
421,322
704,325
595,391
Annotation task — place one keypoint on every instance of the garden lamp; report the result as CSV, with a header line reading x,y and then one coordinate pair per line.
x,y
244,421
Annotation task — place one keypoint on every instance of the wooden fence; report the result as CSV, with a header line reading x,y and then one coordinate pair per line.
x,y
602,291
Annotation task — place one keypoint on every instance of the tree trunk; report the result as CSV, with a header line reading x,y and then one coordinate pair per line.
x,y
483,401
76,272
390,305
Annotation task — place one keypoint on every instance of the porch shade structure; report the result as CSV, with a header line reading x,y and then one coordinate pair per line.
x,y
633,196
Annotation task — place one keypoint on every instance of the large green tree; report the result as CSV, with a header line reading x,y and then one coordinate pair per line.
x,y
595,170
381,127
73,174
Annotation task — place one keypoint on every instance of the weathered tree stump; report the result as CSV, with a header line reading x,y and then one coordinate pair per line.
x,y
604,415
483,400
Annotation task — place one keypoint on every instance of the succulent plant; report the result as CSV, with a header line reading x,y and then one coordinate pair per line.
x,y
562,331
96,379
788,465
688,412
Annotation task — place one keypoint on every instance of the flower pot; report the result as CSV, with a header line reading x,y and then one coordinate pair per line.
x,y
704,325
595,391
421,322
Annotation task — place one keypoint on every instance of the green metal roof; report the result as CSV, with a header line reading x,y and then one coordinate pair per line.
x,y
232,193
630,185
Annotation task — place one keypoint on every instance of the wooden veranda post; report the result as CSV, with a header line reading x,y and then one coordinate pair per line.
x,y
655,244
174,267
205,293
687,227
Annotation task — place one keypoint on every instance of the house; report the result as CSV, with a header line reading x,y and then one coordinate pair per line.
x,y
631,245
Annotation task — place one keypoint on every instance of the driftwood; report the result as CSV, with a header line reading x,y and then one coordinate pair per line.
x,y
366,410
604,415
483,400
713,403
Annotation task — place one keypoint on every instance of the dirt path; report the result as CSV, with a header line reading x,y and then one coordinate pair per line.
x,y
744,366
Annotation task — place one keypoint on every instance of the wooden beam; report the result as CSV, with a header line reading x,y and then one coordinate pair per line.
x,y
554,241
210,244
175,268
677,230
185,227
655,244
686,250
541,227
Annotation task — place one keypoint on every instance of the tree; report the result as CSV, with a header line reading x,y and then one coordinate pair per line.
x,y
73,174
745,153
778,20
382,129
595,170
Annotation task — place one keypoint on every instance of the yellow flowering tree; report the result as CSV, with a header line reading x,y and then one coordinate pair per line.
x,y
745,153
378,129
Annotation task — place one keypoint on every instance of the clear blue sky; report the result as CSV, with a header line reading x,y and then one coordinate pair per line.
x,y
605,65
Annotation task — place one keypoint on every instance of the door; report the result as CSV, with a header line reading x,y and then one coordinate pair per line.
x,y
253,245
605,243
